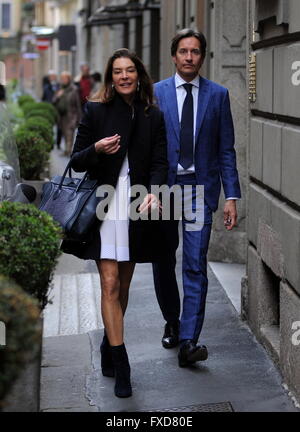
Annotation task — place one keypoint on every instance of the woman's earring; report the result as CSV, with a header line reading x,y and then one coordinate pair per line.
x,y
112,86
138,86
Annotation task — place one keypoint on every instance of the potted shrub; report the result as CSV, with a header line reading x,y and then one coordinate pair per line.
x,y
42,120
41,113
33,153
41,107
46,106
28,105
35,141
29,247
20,315
40,126
25,99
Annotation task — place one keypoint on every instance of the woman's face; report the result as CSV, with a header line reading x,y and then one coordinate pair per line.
x,y
125,77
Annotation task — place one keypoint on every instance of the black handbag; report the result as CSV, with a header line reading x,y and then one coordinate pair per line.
x,y
72,202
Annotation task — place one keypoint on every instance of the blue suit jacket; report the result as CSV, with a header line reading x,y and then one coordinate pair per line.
x,y
215,157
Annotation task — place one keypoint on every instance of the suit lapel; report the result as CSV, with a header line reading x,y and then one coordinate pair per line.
x,y
203,99
171,103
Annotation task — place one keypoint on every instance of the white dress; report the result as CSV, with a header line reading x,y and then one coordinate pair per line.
x,y
114,230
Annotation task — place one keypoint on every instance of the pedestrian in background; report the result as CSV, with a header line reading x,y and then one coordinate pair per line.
x,y
96,83
67,103
50,87
85,83
121,142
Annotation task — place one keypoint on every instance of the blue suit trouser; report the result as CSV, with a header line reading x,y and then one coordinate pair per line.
x,y
194,271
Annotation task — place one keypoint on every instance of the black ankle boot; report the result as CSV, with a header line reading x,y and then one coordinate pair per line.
x,y
107,365
122,369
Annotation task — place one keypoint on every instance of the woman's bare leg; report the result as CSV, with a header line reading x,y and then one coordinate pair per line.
x,y
110,302
115,282
126,270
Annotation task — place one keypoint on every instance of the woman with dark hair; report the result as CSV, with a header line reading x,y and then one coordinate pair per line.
x,y
121,142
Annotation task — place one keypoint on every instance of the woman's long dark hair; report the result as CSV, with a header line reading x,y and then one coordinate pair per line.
x,y
145,91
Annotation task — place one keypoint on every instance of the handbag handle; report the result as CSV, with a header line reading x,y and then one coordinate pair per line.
x,y
68,169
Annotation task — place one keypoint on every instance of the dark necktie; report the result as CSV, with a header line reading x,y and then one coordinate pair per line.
x,y
187,129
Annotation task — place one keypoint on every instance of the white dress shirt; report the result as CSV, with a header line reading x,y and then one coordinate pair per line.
x,y
181,95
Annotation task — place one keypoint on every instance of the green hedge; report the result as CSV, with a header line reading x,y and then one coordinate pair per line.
x,y
29,106
24,99
40,126
29,247
45,106
41,113
33,153
34,136
43,120
42,108
20,314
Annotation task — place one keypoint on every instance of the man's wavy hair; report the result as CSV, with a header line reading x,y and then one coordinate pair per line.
x,y
187,33
107,92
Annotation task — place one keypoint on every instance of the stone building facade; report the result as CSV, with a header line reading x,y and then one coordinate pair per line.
x,y
271,291
227,36
130,24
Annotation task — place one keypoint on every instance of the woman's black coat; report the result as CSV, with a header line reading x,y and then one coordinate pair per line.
x,y
143,138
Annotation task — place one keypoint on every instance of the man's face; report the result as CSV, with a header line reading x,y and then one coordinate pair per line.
x,y
65,79
188,58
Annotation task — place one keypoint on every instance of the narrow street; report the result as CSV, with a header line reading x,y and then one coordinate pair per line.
x,y
238,374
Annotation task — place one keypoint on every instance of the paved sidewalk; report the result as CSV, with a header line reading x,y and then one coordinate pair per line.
x,y
238,369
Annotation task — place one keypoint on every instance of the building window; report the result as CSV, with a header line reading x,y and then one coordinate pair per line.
x,y
5,16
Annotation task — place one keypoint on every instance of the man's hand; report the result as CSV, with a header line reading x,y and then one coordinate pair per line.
x,y
230,214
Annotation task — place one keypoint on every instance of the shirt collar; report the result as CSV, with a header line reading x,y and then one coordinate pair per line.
x,y
180,81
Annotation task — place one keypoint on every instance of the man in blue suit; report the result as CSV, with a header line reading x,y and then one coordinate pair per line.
x,y
201,151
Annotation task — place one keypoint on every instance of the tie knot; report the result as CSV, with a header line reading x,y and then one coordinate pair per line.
x,y
188,87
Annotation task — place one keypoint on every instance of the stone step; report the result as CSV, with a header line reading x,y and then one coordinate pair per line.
x,y
75,306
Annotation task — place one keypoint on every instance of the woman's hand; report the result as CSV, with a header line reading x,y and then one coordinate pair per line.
x,y
149,204
109,145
